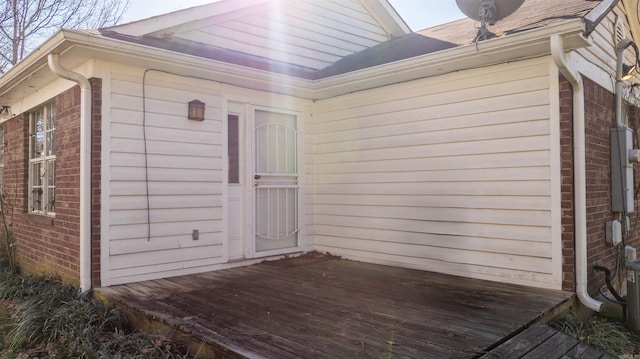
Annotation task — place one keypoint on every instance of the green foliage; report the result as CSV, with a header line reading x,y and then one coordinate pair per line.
x,y
597,331
19,287
54,317
5,326
8,259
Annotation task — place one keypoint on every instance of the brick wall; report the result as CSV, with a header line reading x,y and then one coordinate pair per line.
x,y
96,163
46,244
599,119
566,171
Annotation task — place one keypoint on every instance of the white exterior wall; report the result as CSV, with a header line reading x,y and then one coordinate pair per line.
x,y
184,172
313,34
187,166
456,174
598,61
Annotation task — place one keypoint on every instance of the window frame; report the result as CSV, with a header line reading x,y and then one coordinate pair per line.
x,y
42,158
233,149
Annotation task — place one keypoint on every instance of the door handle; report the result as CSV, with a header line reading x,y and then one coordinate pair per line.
x,y
256,177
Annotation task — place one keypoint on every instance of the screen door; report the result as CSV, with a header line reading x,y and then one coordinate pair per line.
x,y
275,181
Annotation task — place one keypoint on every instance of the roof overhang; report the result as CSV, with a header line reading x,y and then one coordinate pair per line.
x,y
381,10
520,46
597,14
77,47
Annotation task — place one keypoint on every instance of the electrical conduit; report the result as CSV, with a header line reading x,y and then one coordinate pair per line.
x,y
85,167
579,174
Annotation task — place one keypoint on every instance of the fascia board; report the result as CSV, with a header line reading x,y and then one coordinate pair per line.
x,y
176,18
534,43
597,14
387,16
32,63
188,65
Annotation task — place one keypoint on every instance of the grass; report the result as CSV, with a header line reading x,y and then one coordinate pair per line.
x,y
5,325
55,322
605,334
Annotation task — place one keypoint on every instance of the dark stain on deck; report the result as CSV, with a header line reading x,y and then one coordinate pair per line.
x,y
322,307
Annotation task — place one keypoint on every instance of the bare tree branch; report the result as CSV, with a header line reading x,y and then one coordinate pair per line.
x,y
24,24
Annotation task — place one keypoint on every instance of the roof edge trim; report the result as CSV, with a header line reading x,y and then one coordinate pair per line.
x,y
451,60
387,16
172,19
597,14
35,59
454,59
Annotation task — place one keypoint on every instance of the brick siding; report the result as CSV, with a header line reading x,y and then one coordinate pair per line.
x,y
96,177
599,119
47,244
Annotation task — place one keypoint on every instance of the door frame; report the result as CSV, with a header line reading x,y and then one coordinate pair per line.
x,y
239,109
250,211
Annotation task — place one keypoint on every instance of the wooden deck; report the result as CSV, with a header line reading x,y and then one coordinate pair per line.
x,y
330,308
542,341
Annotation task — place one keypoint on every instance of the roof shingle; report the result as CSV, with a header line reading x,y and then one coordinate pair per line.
x,y
533,14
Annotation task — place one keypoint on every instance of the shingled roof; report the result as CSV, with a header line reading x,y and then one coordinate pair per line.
x,y
532,15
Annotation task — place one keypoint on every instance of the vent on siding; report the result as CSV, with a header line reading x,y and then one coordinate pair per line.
x,y
619,32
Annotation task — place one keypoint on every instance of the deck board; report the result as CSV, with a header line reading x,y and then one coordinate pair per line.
x,y
341,309
542,341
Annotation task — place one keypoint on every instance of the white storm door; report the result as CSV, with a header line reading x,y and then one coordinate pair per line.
x,y
275,183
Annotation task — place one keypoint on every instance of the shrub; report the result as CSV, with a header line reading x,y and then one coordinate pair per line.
x,y
606,334
69,326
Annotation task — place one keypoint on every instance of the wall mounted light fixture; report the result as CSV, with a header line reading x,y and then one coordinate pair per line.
x,y
627,71
5,112
196,110
624,71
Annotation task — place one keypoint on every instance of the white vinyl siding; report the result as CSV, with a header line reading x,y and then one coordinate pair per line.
x,y
184,160
598,61
312,34
449,174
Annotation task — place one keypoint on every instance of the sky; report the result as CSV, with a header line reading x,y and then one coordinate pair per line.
x,y
418,14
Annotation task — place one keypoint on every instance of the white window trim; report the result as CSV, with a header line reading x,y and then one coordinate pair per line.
x,y
44,160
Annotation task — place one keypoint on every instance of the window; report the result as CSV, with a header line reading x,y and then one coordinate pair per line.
x,y
234,148
42,160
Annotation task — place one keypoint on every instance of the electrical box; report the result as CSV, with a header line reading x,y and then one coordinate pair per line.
x,y
621,170
630,254
613,232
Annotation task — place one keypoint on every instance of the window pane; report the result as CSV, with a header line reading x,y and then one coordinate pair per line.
x,y
36,186
51,186
1,147
37,134
51,144
42,167
234,148
51,132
